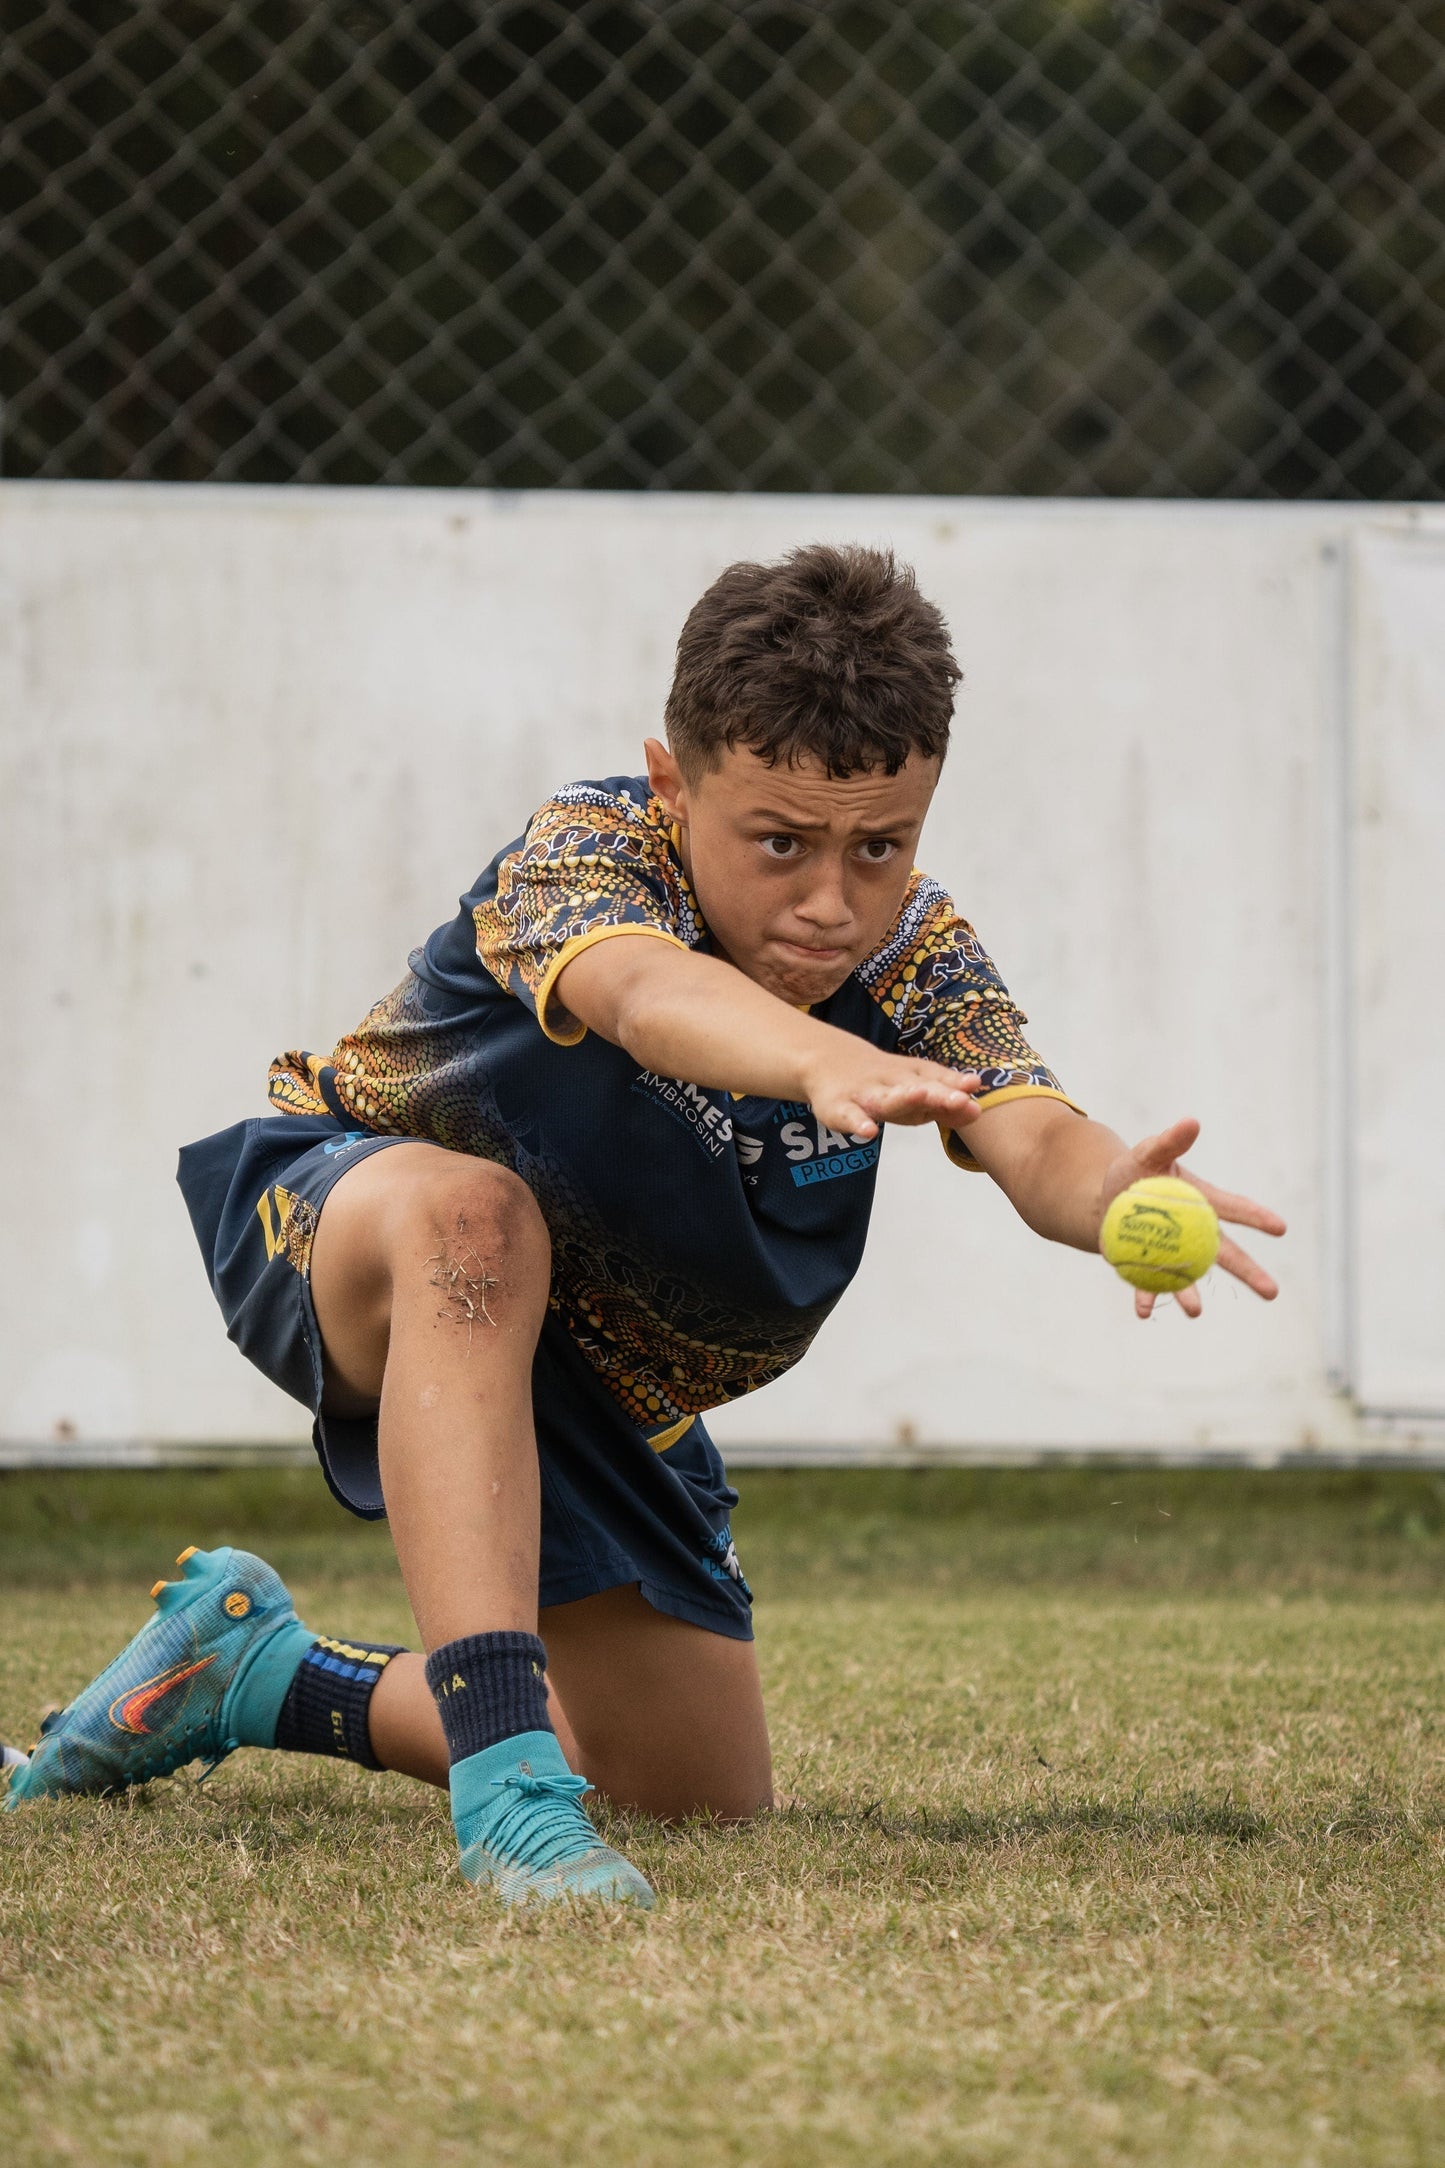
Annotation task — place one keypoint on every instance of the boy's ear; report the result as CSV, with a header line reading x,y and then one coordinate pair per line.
x,y
665,778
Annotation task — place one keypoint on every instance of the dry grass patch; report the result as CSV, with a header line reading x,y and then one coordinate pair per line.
x,y
1078,1875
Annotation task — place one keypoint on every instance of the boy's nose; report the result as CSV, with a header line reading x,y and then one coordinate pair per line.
x,y
825,907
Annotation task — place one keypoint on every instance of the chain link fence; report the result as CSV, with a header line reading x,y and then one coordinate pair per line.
x,y
1040,246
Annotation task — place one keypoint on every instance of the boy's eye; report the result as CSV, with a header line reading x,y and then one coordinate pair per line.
x,y
781,846
878,850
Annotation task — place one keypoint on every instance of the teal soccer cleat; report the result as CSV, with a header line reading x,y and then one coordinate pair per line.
x,y
207,1674
522,1831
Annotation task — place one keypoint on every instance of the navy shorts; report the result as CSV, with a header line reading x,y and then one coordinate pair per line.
x,y
614,1511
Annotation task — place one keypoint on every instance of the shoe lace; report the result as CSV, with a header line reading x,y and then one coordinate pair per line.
x,y
200,1742
542,1823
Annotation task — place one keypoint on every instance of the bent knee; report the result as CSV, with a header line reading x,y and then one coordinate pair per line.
x,y
733,1803
494,1204
473,1231
668,1790
730,1799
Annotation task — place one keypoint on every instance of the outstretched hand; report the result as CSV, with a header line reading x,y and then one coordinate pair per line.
x,y
858,1087
1162,1155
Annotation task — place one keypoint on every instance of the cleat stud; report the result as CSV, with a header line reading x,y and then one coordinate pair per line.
x,y
189,1552
157,1589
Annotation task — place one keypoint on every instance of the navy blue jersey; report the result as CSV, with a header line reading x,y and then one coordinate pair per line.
x,y
699,1239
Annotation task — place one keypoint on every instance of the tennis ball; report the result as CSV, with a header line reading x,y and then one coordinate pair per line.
x,y
1160,1234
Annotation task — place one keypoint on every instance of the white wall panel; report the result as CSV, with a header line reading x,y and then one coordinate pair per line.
x,y
1397,1044
256,742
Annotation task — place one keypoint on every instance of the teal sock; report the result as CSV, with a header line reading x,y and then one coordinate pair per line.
x,y
264,1682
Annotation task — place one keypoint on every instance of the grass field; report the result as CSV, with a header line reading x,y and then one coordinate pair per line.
x,y
1118,1837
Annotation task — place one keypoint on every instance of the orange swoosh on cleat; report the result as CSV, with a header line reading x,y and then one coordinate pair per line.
x,y
127,1710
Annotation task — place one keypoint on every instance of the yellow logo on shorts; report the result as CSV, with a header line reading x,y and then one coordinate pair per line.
x,y
236,1605
289,1226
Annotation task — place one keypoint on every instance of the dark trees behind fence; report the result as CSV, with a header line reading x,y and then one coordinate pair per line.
x,y
1038,246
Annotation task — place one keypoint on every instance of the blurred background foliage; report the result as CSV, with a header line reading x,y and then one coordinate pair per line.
x,y
1038,246
1291,1533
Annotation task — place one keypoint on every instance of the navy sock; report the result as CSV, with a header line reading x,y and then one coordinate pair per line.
x,y
326,1705
488,1687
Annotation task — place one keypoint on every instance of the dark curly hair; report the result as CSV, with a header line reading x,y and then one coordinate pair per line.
x,y
830,655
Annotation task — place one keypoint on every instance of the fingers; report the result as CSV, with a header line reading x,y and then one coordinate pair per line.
x,y
940,1095
915,1109
935,1091
1233,1259
1163,1154
854,1122
1156,1155
1239,1211
967,1080
1188,1299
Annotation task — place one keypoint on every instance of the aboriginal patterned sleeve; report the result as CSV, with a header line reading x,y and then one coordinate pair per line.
x,y
592,864
935,981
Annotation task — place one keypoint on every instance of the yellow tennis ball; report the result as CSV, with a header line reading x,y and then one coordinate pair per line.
x,y
1160,1234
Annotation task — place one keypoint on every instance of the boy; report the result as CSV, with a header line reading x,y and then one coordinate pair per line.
x,y
602,1161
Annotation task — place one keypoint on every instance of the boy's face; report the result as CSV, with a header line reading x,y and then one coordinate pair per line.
x,y
798,874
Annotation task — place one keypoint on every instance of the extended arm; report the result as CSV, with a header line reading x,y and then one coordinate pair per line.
x,y
1060,1171
701,1020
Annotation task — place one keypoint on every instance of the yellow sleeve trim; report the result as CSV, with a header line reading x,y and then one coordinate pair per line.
x,y
953,1143
578,1031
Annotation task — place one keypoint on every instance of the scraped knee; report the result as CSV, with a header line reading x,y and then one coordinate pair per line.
x,y
484,1246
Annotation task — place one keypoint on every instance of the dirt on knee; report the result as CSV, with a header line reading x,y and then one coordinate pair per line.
x,y
460,1276
489,1251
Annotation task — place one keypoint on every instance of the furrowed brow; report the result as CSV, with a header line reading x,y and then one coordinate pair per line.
x,y
769,815
773,820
